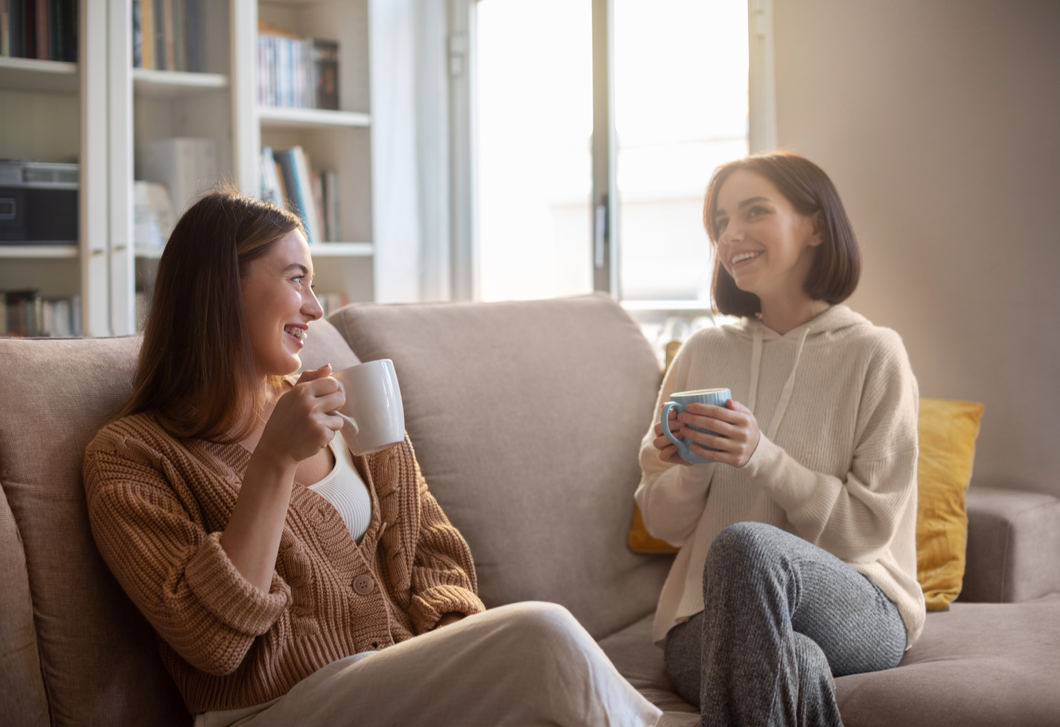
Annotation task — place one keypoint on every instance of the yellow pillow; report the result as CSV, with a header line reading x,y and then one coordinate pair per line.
x,y
947,432
947,449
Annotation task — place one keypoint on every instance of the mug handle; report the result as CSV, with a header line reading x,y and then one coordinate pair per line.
x,y
349,420
682,446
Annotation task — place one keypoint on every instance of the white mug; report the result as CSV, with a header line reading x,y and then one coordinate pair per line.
x,y
374,418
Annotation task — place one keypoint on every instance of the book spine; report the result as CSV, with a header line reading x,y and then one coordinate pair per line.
x,y
305,194
41,27
160,34
331,204
137,35
18,25
147,28
5,28
179,55
285,163
70,31
167,30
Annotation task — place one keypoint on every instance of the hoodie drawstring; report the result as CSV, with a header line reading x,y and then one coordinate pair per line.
x,y
789,385
756,361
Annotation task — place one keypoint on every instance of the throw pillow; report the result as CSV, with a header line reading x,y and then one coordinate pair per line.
x,y
948,430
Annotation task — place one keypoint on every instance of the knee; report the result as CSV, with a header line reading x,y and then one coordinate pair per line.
x,y
538,623
811,662
743,545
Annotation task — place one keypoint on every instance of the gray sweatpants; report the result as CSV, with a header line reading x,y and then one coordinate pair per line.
x,y
523,664
782,616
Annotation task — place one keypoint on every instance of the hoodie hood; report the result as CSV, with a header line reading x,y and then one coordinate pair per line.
x,y
829,322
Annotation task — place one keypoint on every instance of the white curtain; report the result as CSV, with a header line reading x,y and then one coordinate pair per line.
x,y
410,150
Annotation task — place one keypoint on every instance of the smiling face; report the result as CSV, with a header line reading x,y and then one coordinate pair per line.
x,y
761,240
278,304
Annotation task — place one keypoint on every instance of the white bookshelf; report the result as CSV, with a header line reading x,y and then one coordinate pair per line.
x,y
98,110
338,140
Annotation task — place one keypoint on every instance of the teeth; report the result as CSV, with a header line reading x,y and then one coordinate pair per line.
x,y
744,256
298,333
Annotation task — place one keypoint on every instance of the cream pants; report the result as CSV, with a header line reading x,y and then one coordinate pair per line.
x,y
522,664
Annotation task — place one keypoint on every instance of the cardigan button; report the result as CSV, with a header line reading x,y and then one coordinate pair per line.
x,y
363,585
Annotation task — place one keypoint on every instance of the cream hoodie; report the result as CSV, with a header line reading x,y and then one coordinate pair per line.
x,y
836,402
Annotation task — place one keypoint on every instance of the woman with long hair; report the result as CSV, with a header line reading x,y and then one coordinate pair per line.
x,y
276,600
796,524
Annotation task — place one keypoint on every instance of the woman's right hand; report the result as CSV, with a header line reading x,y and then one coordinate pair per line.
x,y
667,449
303,420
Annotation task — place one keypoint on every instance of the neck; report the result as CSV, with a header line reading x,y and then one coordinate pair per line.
x,y
784,316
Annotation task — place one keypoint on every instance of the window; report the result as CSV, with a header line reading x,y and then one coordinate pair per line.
x,y
677,77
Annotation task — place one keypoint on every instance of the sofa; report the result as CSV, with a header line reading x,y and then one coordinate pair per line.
x,y
526,418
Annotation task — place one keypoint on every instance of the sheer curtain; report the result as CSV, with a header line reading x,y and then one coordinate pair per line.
x,y
410,150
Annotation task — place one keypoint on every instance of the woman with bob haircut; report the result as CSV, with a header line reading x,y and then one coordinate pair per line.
x,y
797,555
276,601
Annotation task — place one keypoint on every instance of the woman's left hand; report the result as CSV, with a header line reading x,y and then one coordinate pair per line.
x,y
449,618
734,422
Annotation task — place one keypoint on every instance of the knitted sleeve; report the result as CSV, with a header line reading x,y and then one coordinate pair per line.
x,y
855,517
175,572
671,497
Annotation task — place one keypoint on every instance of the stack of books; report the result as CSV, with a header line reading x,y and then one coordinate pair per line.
x,y
288,181
25,313
296,72
168,35
41,29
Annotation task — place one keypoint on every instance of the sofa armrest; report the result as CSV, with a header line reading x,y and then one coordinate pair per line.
x,y
1013,546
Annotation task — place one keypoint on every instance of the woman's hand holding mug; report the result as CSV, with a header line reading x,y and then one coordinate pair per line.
x,y
303,420
712,428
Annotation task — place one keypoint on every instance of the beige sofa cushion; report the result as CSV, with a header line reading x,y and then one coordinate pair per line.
x,y
26,703
98,656
527,418
97,653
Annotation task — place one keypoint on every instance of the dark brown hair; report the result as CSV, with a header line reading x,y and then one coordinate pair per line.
x,y
836,267
196,369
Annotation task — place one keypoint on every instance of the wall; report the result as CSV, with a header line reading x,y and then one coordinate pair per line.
x,y
939,121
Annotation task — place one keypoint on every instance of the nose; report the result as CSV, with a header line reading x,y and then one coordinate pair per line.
x,y
311,306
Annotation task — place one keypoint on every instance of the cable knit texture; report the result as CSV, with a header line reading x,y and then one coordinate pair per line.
x,y
836,402
157,508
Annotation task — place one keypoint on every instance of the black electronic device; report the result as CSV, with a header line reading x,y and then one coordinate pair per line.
x,y
38,203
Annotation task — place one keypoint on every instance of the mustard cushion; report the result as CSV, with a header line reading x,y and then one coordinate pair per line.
x,y
947,430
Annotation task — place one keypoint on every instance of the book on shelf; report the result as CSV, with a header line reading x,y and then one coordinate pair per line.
x,y
296,72
288,180
41,29
168,35
185,166
25,313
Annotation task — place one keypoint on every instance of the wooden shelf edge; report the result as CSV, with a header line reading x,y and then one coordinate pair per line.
x,y
310,118
38,252
342,249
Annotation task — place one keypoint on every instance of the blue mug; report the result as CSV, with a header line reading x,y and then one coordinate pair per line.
x,y
679,400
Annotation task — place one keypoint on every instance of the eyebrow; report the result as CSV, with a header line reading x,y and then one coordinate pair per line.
x,y
745,203
299,266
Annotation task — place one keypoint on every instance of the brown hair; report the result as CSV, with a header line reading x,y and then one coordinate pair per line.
x,y
836,267
196,369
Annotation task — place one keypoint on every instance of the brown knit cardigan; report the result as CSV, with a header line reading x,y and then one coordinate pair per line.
x,y
157,506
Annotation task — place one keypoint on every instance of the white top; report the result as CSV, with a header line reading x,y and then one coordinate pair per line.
x,y
346,491
836,402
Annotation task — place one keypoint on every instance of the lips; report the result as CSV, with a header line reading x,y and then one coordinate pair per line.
x,y
743,257
299,334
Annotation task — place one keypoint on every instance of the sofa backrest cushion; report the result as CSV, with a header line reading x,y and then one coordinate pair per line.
x,y
526,418
98,656
25,702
